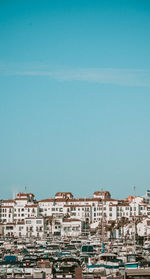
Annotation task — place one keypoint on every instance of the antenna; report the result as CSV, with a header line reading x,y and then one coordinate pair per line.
x,y
25,188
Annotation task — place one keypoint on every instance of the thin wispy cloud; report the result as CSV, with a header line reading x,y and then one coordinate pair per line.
x,y
122,77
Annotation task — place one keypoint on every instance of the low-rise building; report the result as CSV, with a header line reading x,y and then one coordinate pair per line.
x,y
24,216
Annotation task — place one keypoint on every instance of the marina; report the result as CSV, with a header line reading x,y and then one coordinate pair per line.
x,y
67,237
71,258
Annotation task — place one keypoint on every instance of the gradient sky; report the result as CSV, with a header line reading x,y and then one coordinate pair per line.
x,y
74,97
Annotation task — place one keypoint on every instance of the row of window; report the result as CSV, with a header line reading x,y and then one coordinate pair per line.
x,y
79,208
37,221
38,229
5,210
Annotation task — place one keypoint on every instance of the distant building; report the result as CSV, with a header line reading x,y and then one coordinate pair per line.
x,y
63,195
102,195
24,216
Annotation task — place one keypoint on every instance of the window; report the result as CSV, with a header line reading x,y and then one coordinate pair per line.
x,y
28,221
73,214
9,228
38,221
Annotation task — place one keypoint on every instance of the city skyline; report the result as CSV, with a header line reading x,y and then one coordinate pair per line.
x,y
75,195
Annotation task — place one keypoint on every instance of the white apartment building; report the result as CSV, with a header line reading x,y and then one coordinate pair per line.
x,y
7,214
16,210
7,210
34,227
104,209
24,212
48,207
82,212
143,228
71,227
25,206
62,226
30,227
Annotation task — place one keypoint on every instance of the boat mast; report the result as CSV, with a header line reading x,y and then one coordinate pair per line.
x,y
102,227
134,220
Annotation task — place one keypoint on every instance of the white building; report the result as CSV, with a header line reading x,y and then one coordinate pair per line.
x,y
34,227
71,227
30,227
24,216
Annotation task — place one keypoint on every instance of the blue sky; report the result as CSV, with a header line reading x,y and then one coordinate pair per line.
x,y
74,97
